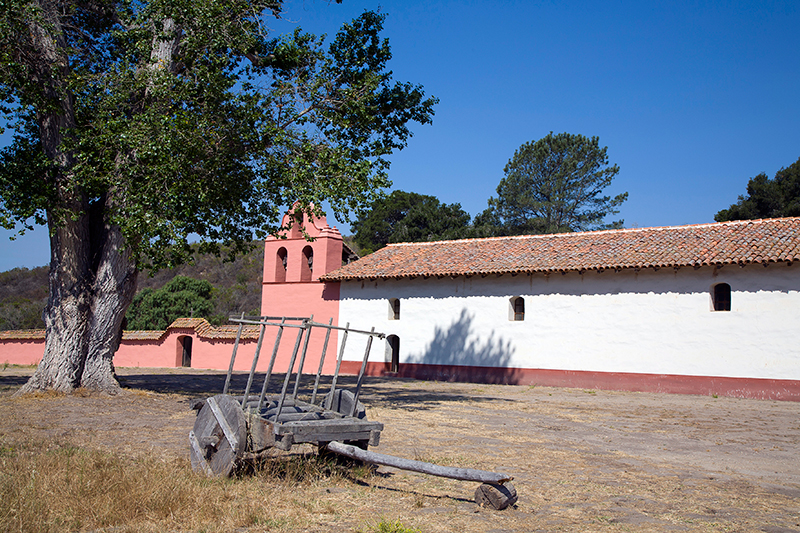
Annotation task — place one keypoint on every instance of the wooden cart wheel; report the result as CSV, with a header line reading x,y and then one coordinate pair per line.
x,y
495,495
219,436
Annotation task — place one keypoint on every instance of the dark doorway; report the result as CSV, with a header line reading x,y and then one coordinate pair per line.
x,y
186,346
393,351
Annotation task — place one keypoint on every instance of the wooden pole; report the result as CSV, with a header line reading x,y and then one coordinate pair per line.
x,y
321,362
302,360
233,357
329,401
361,374
271,365
289,372
464,474
253,366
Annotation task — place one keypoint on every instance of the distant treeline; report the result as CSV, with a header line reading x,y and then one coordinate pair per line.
x,y
216,290
23,295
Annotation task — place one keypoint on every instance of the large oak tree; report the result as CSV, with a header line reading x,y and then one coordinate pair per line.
x,y
140,125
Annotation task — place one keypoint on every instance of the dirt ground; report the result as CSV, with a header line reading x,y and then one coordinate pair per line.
x,y
582,460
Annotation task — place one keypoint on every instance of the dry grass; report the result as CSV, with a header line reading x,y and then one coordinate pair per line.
x,y
49,487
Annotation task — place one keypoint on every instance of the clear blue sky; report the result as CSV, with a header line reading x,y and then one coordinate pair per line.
x,y
691,98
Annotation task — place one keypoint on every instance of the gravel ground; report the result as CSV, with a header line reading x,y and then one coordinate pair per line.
x,y
582,460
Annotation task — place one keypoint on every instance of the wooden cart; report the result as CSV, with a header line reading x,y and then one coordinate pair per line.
x,y
230,429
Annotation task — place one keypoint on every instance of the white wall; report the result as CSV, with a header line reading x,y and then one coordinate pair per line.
x,y
646,322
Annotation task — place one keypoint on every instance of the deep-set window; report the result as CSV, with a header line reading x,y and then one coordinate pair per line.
x,y
307,264
394,309
721,297
517,309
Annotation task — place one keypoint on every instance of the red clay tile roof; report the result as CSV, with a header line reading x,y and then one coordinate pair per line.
x,y
143,335
22,335
740,242
200,326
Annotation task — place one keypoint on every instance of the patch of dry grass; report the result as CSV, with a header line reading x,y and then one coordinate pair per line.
x,y
59,487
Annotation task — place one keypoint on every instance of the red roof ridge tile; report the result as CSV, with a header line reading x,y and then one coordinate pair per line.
x,y
22,334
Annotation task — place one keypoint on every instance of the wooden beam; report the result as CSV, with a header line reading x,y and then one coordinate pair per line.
x,y
464,474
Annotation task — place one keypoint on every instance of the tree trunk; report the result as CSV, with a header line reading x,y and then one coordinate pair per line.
x,y
114,288
65,315
92,283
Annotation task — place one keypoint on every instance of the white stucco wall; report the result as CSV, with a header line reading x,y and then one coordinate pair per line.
x,y
645,322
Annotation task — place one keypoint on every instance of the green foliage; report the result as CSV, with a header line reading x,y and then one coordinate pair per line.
x,y
236,288
768,198
390,526
182,118
21,313
140,125
553,185
23,283
408,217
23,295
181,297
237,284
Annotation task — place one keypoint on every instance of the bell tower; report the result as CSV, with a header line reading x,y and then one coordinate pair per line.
x,y
308,250
293,263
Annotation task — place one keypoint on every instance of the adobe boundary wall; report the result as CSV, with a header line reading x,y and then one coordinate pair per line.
x,y
212,347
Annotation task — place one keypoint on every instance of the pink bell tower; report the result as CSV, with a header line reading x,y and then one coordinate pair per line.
x,y
291,286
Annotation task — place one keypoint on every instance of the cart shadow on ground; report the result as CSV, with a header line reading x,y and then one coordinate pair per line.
x,y
305,461
400,393
395,392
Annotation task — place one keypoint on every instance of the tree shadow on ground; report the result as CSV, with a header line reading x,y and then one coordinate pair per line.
x,y
12,381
